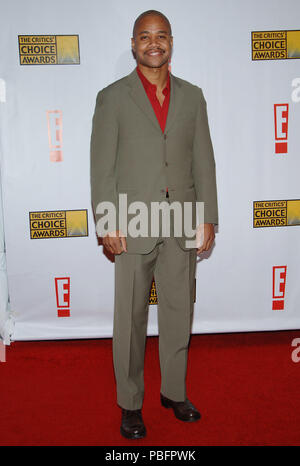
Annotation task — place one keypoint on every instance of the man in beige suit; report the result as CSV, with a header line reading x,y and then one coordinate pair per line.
x,y
151,141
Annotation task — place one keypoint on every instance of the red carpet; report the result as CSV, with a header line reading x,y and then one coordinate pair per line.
x,y
63,393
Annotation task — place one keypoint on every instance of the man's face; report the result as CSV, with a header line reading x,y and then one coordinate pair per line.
x,y
153,42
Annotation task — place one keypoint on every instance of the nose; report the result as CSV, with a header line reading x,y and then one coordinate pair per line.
x,y
153,41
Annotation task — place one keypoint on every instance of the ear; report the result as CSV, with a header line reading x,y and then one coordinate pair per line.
x,y
132,44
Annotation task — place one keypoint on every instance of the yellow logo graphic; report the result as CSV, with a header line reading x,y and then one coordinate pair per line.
x,y
153,293
58,224
275,45
276,213
49,50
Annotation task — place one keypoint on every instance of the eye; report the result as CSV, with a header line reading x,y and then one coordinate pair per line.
x,y
162,37
143,37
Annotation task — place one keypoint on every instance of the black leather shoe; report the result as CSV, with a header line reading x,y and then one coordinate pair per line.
x,y
132,425
183,410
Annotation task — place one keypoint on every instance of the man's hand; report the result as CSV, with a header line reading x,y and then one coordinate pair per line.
x,y
205,237
115,242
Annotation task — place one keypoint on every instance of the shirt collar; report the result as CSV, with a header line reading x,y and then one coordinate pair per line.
x,y
149,87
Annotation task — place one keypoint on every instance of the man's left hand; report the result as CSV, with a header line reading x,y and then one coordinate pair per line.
x,y
205,237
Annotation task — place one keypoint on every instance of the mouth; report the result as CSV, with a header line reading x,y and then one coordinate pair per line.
x,y
154,53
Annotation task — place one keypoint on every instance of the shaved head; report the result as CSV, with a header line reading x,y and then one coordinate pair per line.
x,y
150,13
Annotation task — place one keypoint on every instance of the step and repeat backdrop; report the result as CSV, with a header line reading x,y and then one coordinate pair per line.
x,y
245,56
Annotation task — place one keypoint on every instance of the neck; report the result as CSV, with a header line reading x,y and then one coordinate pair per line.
x,y
157,76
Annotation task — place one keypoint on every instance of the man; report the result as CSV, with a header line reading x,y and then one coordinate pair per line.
x,y
150,140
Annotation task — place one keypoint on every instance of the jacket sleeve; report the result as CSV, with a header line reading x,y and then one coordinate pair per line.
x,y
103,155
204,164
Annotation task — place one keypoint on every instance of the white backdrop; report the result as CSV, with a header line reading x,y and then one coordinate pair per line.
x,y
212,48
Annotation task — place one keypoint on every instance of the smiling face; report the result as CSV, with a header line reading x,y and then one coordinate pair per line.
x,y
152,42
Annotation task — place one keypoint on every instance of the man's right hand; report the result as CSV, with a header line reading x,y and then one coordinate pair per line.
x,y
115,242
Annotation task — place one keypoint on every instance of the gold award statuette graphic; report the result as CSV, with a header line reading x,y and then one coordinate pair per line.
x,y
49,50
58,224
276,213
275,45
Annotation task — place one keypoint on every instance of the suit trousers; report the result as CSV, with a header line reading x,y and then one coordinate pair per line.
x,y
174,273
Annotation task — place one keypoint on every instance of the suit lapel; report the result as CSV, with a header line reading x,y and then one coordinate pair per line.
x,y
138,94
140,97
176,100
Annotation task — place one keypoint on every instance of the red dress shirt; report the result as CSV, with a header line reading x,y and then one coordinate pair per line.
x,y
161,111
